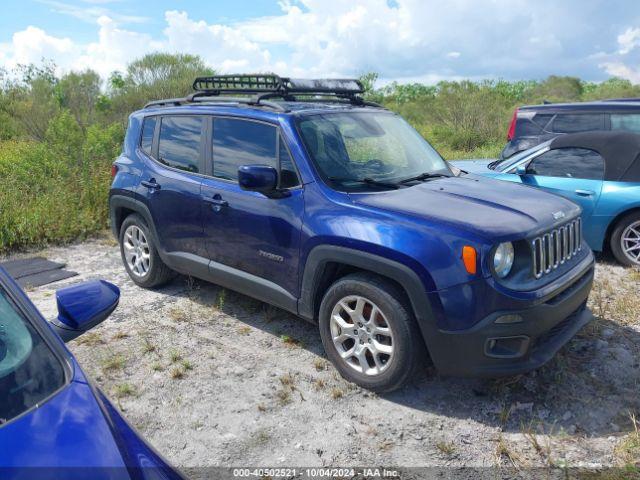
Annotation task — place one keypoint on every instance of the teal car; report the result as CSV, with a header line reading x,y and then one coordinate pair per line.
x,y
600,171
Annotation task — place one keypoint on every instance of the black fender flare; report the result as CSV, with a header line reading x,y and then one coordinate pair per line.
x,y
121,201
398,272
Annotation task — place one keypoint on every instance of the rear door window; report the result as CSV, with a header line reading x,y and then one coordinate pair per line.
x,y
569,163
29,370
628,122
242,142
179,143
581,122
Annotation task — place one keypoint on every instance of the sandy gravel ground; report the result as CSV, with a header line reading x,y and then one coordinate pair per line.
x,y
211,378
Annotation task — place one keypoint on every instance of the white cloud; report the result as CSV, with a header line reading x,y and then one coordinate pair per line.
x,y
405,39
629,40
32,45
619,69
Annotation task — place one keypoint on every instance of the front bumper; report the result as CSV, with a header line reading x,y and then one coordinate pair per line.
x,y
490,349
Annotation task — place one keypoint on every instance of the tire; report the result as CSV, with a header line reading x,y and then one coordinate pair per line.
x,y
382,372
150,272
625,235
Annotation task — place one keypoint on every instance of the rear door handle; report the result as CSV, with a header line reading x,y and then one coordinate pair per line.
x,y
586,193
151,184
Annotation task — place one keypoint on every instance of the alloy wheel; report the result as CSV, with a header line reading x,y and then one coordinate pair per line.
x,y
630,242
362,335
136,251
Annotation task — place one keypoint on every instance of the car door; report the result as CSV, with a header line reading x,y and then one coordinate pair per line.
x,y
574,173
244,230
170,183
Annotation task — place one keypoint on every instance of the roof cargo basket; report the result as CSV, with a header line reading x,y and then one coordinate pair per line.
x,y
263,87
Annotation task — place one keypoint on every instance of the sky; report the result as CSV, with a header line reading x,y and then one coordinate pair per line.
x,y
402,40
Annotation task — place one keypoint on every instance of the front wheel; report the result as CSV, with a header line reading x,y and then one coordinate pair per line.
x,y
369,333
625,240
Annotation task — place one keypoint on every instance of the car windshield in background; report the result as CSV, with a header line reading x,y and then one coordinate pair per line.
x,y
363,151
507,163
29,371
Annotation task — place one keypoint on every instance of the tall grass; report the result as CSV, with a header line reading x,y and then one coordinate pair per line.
x,y
56,190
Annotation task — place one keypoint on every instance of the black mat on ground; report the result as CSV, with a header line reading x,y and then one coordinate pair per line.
x,y
36,271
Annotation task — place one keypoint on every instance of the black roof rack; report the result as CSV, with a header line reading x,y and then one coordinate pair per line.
x,y
263,87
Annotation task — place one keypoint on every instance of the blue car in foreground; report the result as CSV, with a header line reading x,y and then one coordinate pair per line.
x,y
600,171
54,424
309,198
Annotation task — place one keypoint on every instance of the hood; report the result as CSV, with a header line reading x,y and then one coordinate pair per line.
x,y
480,166
68,430
492,209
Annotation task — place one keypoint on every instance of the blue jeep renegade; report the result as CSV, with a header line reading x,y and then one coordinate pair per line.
x,y
307,197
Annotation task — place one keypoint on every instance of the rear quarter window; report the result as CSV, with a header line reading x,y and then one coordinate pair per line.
x,y
148,129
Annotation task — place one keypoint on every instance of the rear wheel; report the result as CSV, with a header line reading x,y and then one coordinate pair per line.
x,y
625,240
140,256
369,333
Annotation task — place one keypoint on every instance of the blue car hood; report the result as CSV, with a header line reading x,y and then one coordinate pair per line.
x,y
69,430
491,209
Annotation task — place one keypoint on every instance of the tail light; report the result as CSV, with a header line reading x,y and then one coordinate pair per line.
x,y
114,170
512,126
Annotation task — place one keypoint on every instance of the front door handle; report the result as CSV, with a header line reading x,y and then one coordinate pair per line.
x,y
150,184
216,202
586,193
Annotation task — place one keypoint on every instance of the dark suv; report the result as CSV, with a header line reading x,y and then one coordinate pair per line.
x,y
531,125
338,211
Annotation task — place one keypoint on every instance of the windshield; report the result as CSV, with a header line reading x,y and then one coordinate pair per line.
x,y
29,371
506,163
360,151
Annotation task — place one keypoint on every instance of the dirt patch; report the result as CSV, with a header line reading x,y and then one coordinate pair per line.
x,y
214,378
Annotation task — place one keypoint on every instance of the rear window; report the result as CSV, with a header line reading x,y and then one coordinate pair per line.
x,y
628,122
29,371
532,126
583,122
179,143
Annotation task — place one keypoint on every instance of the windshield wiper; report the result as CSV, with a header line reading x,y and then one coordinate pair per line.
x,y
423,176
494,164
366,181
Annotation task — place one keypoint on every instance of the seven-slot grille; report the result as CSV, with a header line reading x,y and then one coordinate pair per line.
x,y
552,249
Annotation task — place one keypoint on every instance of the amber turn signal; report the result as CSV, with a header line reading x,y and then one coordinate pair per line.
x,y
470,259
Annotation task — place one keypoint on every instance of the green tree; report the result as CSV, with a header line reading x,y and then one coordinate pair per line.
x,y
156,76
79,92
31,98
557,89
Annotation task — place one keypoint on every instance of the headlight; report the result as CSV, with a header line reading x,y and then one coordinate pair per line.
x,y
503,259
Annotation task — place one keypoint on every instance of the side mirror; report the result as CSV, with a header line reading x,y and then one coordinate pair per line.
x,y
258,178
81,307
521,170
